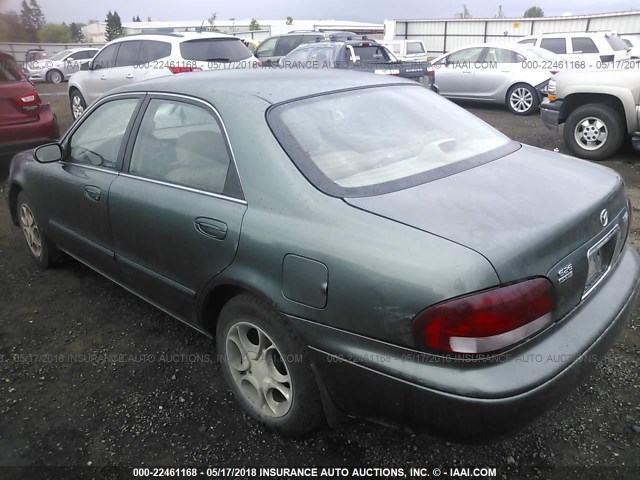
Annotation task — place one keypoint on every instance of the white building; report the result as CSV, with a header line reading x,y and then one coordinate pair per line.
x,y
241,27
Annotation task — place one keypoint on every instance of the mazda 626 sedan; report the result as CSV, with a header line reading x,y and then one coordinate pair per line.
x,y
358,245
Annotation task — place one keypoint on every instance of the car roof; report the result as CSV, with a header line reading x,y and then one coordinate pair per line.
x,y
178,36
225,88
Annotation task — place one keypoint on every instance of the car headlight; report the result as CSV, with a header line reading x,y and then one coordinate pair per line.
x,y
551,90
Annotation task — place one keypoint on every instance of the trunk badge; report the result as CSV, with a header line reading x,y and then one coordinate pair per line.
x,y
604,217
565,273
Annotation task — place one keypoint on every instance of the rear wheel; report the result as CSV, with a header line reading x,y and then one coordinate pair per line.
x,y
266,367
78,104
55,76
594,132
522,99
41,249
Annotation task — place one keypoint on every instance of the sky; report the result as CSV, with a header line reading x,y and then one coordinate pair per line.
x,y
57,11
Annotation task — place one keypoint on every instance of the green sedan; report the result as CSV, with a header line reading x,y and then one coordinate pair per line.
x,y
356,244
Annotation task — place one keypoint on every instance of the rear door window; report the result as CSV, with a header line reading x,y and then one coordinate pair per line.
x,y
616,42
128,54
529,41
286,44
267,48
583,45
468,55
153,50
555,45
215,50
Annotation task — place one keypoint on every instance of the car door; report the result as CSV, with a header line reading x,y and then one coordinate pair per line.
x,y
126,69
99,80
176,212
455,72
493,77
79,185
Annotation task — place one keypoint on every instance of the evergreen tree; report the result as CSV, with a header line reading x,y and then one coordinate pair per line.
x,y
29,26
37,15
254,25
76,32
117,25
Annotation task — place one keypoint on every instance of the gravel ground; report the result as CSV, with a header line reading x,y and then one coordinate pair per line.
x,y
91,375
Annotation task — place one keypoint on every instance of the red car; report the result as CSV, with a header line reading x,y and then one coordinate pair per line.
x,y
24,120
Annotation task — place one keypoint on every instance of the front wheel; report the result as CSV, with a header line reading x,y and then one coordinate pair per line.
x,y
55,76
78,104
594,132
267,367
522,99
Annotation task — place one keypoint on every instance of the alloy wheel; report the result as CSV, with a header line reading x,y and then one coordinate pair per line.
x,y
521,100
259,370
30,230
591,133
76,106
55,77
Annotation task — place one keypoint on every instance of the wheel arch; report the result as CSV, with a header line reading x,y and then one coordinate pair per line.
x,y
14,191
575,100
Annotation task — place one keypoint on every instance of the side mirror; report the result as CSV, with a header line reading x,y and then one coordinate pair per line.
x,y
86,66
70,59
50,153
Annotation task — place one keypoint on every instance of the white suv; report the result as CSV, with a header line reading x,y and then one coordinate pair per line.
x,y
595,48
139,57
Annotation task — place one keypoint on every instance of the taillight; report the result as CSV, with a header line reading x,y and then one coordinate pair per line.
x,y
553,72
487,321
175,70
431,73
31,101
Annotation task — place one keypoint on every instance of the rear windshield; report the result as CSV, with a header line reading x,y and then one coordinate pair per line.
x,y
374,53
215,50
616,42
9,71
376,140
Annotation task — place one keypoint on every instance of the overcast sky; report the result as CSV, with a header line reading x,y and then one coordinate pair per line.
x,y
57,11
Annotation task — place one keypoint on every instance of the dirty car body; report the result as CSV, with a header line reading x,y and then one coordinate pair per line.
x,y
435,279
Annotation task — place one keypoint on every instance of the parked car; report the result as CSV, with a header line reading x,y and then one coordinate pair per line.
x,y
272,49
596,49
25,121
34,54
633,43
139,57
388,273
361,55
599,111
407,50
60,66
508,74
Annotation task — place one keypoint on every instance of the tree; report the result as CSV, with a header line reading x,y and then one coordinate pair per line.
x,y
212,21
465,12
254,25
148,19
500,13
27,22
136,19
38,16
289,20
533,12
76,32
114,28
12,29
55,34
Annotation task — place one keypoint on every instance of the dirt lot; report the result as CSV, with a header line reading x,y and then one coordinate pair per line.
x,y
162,401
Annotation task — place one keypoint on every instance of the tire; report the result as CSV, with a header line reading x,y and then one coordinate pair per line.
x,y
267,368
77,104
55,76
594,132
43,252
523,99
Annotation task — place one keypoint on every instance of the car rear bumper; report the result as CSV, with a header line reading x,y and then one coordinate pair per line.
x,y
473,400
22,136
550,113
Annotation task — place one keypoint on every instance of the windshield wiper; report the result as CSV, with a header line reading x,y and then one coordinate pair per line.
x,y
221,59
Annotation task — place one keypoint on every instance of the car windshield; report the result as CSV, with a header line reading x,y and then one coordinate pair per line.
x,y
215,50
348,142
616,42
60,55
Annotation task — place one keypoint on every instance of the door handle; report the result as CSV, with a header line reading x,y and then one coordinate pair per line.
x,y
104,77
466,72
92,193
129,76
211,228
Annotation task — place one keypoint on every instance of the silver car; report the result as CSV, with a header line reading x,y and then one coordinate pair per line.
x,y
60,66
511,74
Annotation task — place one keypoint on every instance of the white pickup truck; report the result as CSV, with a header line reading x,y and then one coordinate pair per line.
x,y
407,50
599,109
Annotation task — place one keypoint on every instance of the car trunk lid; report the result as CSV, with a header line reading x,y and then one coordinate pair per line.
x,y
19,101
531,213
